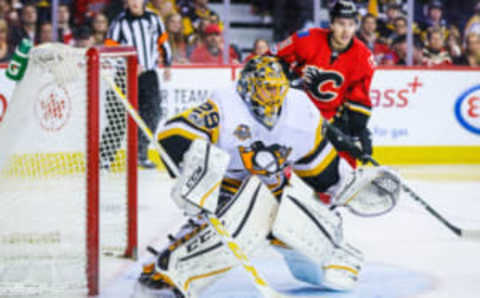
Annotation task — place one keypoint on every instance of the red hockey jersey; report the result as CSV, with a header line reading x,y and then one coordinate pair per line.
x,y
343,78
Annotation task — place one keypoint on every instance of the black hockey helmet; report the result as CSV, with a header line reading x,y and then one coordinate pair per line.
x,y
344,9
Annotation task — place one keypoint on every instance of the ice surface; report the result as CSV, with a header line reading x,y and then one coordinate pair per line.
x,y
408,252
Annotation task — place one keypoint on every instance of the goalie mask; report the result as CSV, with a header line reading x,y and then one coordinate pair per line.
x,y
263,86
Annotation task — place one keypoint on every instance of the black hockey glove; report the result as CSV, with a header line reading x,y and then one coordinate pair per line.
x,y
353,125
364,142
359,146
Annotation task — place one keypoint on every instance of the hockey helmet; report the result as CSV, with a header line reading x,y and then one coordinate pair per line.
x,y
263,86
344,9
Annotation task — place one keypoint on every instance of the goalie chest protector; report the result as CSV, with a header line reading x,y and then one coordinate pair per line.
x,y
250,143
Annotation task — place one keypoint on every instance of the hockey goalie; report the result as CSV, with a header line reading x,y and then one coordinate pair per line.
x,y
256,156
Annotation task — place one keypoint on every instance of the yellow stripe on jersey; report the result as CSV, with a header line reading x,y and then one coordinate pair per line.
x,y
233,190
359,108
278,193
205,118
233,182
320,166
177,131
318,139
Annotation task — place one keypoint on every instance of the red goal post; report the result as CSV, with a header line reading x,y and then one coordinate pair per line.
x,y
95,55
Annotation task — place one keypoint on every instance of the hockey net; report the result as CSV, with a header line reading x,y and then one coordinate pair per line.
x,y
67,171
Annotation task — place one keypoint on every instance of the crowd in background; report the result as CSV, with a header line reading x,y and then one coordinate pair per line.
x,y
445,32
437,40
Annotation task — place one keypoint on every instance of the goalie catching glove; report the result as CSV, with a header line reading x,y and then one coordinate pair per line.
x,y
369,191
198,187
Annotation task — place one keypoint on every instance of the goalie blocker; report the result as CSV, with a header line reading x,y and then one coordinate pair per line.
x,y
315,249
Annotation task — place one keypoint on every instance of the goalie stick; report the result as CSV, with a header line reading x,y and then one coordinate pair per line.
x,y
473,235
229,242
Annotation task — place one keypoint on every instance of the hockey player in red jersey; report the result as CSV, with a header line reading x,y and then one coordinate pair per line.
x,y
336,70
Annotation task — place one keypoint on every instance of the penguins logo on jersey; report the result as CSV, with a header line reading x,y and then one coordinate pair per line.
x,y
316,80
259,159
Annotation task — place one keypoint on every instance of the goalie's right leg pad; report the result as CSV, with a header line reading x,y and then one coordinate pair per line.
x,y
198,258
315,233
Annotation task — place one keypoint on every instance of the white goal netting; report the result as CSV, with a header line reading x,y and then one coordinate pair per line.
x,y
44,177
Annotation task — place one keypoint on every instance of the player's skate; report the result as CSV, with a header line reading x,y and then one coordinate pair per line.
x,y
196,256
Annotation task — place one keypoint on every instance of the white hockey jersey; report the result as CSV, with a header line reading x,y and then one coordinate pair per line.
x,y
225,120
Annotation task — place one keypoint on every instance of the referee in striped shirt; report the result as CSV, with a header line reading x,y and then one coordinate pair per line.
x,y
146,32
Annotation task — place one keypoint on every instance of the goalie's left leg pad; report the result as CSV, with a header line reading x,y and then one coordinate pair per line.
x,y
342,268
301,267
305,224
315,233
194,262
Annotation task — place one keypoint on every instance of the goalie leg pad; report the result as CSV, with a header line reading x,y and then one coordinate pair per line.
x,y
339,272
302,267
341,269
194,262
305,224
319,255
198,186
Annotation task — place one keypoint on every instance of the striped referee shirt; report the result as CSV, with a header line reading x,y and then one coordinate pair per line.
x,y
146,33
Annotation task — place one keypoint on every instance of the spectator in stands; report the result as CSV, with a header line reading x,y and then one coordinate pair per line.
x,y
5,49
435,53
198,37
8,12
192,12
162,8
4,9
178,41
399,48
154,6
473,24
368,34
28,25
65,33
400,27
260,47
471,57
454,43
99,28
211,51
85,10
45,33
434,18
83,37
418,46
386,25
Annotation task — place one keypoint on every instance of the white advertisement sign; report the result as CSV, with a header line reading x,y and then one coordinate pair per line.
x,y
190,87
412,107
426,107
